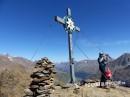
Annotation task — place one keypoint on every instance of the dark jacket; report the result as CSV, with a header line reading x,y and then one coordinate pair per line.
x,y
102,67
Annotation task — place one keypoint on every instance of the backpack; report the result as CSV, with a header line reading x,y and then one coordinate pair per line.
x,y
108,73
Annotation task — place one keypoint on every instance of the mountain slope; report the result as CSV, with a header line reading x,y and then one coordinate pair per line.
x,y
123,60
6,60
121,68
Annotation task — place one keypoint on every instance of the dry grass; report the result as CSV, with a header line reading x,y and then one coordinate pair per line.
x,y
13,82
92,92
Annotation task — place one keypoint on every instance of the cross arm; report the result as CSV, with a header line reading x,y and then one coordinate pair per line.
x,y
77,29
59,20
68,11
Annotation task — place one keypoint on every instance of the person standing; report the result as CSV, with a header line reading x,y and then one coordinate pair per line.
x,y
102,60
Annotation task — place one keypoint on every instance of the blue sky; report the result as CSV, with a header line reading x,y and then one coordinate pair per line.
x,y
27,26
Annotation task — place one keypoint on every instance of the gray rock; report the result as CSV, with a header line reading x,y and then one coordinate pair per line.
x,y
42,82
28,92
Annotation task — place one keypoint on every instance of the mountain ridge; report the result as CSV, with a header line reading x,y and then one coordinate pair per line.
x,y
83,69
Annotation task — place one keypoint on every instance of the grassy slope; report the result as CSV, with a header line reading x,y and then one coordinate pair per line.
x,y
13,81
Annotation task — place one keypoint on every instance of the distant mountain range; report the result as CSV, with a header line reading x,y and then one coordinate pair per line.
x,y
89,68
83,69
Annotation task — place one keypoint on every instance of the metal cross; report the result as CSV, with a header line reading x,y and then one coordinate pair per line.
x,y
69,27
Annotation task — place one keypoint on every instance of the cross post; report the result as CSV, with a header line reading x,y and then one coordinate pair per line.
x,y
69,27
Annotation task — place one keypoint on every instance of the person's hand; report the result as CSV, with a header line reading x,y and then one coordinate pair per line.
x,y
105,57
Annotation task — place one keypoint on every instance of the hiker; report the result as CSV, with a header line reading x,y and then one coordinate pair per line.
x,y
102,60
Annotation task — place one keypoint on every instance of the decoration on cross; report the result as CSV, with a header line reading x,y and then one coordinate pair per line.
x,y
67,22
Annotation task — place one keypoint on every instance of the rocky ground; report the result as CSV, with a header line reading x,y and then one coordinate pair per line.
x,y
86,91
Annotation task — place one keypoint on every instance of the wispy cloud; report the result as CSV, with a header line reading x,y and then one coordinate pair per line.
x,y
97,44
115,43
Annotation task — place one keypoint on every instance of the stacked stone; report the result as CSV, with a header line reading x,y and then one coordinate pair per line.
x,y
42,79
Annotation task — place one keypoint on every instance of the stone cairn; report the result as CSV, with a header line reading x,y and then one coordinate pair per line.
x,y
42,79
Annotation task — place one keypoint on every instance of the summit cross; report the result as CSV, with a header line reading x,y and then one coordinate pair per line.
x,y
69,27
